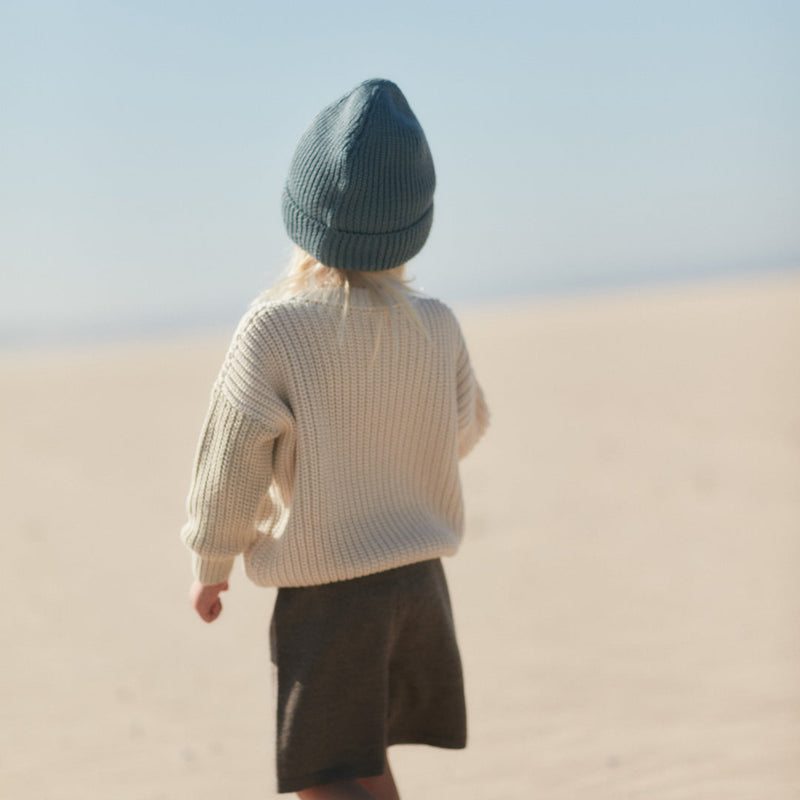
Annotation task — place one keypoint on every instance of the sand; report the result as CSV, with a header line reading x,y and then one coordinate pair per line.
x,y
626,597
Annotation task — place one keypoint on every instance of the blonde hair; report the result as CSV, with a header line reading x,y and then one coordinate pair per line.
x,y
389,288
304,273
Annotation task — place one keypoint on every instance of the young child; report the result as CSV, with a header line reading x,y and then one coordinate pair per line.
x,y
329,458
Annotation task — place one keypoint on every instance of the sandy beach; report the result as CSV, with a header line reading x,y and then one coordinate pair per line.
x,y
627,594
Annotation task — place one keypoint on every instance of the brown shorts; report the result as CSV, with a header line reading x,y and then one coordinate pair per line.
x,y
361,665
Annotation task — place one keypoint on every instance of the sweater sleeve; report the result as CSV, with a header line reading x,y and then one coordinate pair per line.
x,y
230,489
229,501
473,415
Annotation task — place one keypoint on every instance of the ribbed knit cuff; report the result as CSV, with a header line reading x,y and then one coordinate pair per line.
x,y
211,570
367,252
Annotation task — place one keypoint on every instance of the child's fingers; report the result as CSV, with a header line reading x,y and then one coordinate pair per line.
x,y
205,600
208,613
214,611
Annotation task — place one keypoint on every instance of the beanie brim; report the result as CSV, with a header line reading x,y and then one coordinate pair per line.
x,y
366,252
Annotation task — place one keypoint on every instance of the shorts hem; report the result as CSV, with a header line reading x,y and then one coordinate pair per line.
x,y
445,742
369,770
331,775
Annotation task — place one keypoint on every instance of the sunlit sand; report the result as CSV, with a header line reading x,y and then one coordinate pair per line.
x,y
627,594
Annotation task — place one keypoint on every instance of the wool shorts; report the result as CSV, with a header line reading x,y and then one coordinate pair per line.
x,y
361,665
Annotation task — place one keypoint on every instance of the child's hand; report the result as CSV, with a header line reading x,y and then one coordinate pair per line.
x,y
205,599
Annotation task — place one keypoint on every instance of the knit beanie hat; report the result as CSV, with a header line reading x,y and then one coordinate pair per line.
x,y
360,189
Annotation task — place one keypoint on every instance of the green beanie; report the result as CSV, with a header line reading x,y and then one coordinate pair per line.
x,y
360,189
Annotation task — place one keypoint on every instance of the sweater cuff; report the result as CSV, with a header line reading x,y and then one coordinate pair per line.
x,y
212,570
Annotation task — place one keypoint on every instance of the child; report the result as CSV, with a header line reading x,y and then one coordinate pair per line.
x,y
329,458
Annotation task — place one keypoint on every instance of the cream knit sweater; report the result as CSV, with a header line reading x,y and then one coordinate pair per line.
x,y
325,456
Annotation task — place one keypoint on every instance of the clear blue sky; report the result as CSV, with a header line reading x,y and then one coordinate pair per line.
x,y
145,144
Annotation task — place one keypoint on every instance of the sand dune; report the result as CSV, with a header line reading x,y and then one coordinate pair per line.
x,y
627,595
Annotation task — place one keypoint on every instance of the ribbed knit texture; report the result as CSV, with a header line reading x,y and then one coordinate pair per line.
x,y
360,189
323,459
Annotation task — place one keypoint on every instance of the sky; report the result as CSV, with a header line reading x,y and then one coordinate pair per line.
x,y
578,145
